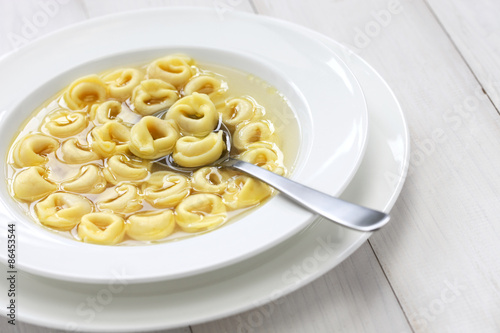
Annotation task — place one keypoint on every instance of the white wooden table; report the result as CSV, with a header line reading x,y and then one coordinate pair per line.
x,y
436,266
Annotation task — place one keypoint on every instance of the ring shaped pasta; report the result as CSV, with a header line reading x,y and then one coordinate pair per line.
x,y
62,211
88,180
152,225
32,150
72,152
210,180
264,155
101,228
32,184
174,69
152,96
152,137
106,111
63,124
111,139
200,212
244,191
165,189
254,131
208,85
195,115
84,92
191,151
124,168
236,111
122,82
124,199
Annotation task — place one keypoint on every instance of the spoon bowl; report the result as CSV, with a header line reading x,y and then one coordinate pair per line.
x,y
334,209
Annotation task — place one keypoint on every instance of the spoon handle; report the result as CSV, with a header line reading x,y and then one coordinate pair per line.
x,y
342,212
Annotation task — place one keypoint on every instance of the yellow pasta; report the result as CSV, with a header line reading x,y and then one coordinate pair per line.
x,y
32,184
88,180
191,151
174,69
33,149
111,139
165,189
84,92
151,225
152,96
121,199
265,155
93,166
124,168
251,132
195,115
200,212
244,191
236,111
62,211
72,152
210,179
152,137
107,111
122,82
101,228
63,124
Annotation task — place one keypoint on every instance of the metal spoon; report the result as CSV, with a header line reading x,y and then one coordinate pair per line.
x,y
334,209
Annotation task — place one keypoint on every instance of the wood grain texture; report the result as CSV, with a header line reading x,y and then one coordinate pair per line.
x,y
25,21
474,27
440,253
98,7
353,297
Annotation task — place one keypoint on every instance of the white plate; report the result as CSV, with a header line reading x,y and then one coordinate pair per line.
x,y
328,100
251,283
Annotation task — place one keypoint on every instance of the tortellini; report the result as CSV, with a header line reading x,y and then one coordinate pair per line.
x,y
236,111
107,111
88,180
174,69
33,149
124,168
244,191
62,211
72,152
101,228
111,139
200,212
32,184
122,82
252,132
264,155
152,137
122,199
63,124
151,225
211,179
102,160
152,96
195,115
165,189
84,92
208,85
191,151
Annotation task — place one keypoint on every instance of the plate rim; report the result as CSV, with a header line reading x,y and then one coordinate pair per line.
x,y
102,278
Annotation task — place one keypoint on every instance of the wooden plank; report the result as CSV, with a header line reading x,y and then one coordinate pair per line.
x,y
99,7
474,28
25,21
354,297
441,250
